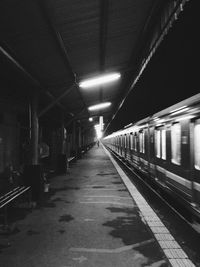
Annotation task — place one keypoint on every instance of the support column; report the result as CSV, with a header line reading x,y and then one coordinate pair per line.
x,y
62,161
83,141
74,139
33,175
62,148
34,130
79,142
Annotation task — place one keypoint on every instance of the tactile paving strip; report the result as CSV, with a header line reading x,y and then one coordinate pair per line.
x,y
181,263
175,253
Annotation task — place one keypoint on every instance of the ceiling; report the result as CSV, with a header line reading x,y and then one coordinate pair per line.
x,y
52,45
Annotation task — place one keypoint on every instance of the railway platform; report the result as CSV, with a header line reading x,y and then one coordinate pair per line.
x,y
91,217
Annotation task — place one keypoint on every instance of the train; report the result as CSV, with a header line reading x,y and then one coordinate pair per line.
x,y
166,148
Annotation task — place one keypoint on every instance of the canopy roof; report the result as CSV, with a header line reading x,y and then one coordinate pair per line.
x,y
52,45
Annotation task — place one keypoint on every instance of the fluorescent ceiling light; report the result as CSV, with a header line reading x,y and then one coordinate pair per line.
x,y
99,80
160,121
156,118
180,111
128,125
188,117
177,109
99,106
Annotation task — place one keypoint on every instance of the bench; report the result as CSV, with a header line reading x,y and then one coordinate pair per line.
x,y
10,196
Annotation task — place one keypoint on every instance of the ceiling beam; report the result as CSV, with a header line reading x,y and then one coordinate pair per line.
x,y
75,117
56,100
58,38
35,82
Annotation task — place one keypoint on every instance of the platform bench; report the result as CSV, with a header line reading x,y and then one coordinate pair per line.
x,y
11,196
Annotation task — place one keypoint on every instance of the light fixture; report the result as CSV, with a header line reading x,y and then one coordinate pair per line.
x,y
180,110
160,121
126,126
90,119
156,118
99,106
187,117
99,80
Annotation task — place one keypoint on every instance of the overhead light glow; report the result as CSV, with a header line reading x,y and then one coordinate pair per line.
x,y
160,121
188,117
99,106
99,80
90,119
99,133
128,125
180,111
156,119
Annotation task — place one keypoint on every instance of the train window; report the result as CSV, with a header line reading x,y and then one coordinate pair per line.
x,y
157,143
135,142
160,143
176,143
141,142
197,146
127,140
163,143
131,141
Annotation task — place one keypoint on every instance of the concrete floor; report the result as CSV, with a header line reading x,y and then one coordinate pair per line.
x,y
88,219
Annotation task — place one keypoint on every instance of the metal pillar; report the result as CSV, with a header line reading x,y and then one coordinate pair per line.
x,y
79,142
34,129
74,139
56,101
62,149
62,159
33,174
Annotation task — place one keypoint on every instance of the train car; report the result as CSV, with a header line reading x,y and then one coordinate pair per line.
x,y
166,147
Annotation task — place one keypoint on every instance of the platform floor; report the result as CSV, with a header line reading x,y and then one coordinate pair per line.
x,y
88,220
